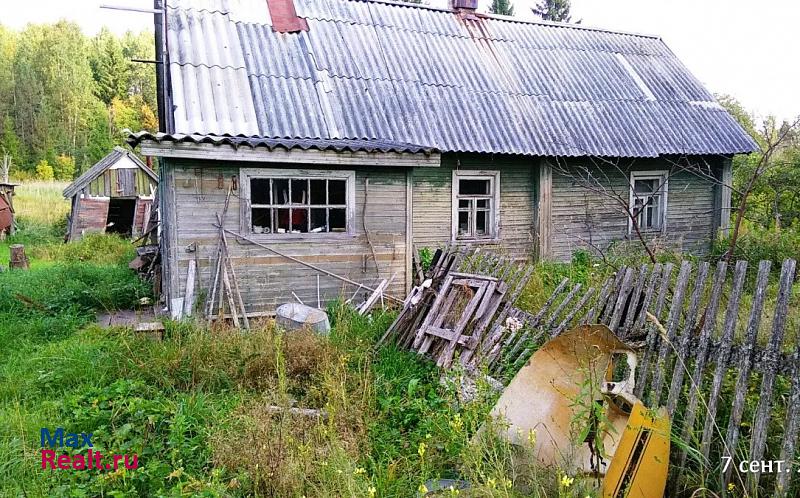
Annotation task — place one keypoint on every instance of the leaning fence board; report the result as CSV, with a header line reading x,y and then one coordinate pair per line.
x,y
746,363
652,341
622,298
688,331
672,326
791,427
696,381
723,351
636,297
759,439
560,308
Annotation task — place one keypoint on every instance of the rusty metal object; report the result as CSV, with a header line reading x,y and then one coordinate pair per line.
x,y
6,215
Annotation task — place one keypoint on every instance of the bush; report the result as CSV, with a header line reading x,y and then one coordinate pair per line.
x,y
44,171
98,248
64,168
756,243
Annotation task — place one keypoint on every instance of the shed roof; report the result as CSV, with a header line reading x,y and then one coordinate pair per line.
x,y
405,73
103,164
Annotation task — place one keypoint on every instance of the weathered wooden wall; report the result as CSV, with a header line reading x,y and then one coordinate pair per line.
x,y
191,198
122,182
583,219
432,195
88,215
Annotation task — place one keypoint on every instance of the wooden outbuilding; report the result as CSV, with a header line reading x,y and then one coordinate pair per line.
x,y
6,208
115,195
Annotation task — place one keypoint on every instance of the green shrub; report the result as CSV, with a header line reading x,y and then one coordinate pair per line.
x,y
99,248
756,243
70,288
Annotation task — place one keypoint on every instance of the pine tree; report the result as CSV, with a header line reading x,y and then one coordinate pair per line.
x,y
502,7
554,10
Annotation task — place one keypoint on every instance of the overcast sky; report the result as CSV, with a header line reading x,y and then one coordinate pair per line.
x,y
745,48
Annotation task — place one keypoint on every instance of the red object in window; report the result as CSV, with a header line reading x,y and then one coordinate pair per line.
x,y
299,219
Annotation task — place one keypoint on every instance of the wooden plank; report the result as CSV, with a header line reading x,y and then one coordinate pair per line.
x,y
433,311
597,307
672,326
650,288
560,287
745,365
791,428
631,315
723,351
683,353
373,298
229,294
709,321
761,423
560,308
612,296
446,358
575,309
622,300
496,298
653,337
545,210
188,300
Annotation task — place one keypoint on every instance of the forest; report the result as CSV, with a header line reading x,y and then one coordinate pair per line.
x,y
65,97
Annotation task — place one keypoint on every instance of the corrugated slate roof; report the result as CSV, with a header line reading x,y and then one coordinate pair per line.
x,y
339,145
100,166
409,74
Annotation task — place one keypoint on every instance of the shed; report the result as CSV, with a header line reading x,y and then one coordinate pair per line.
x,y
6,208
115,196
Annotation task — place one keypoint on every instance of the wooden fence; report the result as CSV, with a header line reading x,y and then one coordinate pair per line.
x,y
713,350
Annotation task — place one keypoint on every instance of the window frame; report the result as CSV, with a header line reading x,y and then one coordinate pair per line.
x,y
245,197
494,217
663,177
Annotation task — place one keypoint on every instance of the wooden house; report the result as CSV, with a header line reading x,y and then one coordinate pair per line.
x,y
115,196
347,132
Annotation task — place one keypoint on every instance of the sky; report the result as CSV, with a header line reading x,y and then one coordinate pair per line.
x,y
738,47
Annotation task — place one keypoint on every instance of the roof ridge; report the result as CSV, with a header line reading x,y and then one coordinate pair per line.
x,y
498,17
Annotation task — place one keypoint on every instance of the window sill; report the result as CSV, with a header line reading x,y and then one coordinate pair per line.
x,y
298,237
493,240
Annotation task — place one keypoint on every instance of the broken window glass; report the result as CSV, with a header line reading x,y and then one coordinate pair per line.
x,y
298,205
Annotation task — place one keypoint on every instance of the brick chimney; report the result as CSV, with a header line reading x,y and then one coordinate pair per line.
x,y
284,17
460,5
465,8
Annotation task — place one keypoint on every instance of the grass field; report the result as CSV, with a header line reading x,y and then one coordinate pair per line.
x,y
192,407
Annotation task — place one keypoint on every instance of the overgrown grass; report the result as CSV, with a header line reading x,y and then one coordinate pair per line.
x,y
41,203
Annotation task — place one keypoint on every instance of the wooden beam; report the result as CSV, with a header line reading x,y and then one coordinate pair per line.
x,y
545,209
226,152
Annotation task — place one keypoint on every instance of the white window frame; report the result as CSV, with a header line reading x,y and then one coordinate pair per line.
x,y
247,174
494,217
663,177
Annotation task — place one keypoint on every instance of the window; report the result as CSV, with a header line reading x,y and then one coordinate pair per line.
x,y
648,200
476,197
286,202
